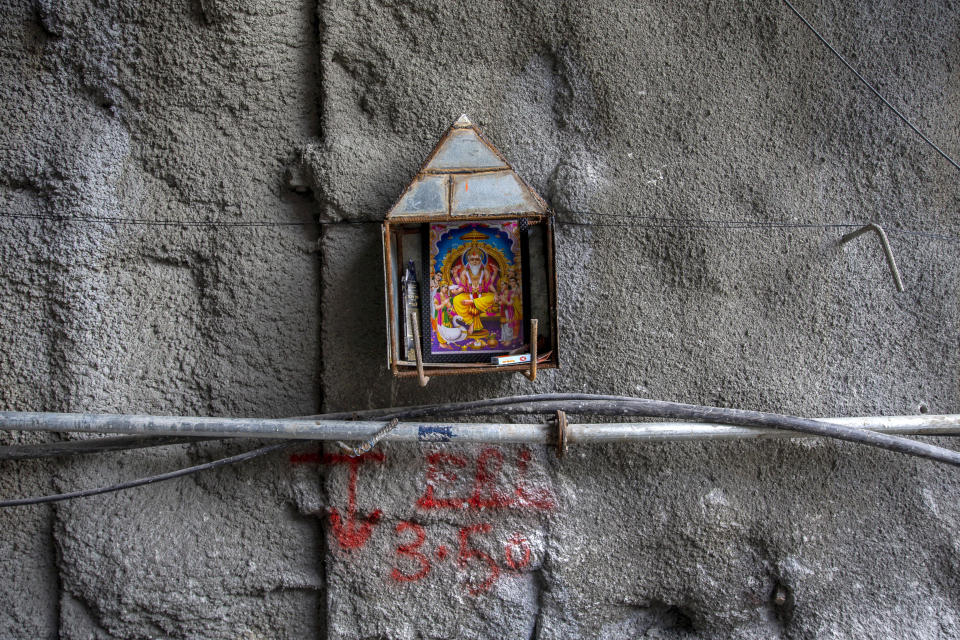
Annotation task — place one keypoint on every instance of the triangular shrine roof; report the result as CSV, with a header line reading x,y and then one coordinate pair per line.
x,y
466,177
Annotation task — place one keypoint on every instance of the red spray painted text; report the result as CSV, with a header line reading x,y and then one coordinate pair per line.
x,y
444,489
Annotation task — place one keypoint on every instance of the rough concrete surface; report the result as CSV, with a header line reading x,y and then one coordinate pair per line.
x,y
653,129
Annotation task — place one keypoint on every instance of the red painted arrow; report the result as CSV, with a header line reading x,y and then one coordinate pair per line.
x,y
353,533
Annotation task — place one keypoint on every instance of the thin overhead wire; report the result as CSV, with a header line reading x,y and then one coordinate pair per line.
x,y
866,83
666,222
120,220
660,222
624,220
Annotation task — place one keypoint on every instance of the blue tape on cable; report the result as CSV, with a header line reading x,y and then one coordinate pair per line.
x,y
434,434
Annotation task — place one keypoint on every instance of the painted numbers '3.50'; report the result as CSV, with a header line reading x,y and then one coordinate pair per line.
x,y
413,561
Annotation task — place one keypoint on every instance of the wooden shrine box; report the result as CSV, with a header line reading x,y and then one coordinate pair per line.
x,y
469,266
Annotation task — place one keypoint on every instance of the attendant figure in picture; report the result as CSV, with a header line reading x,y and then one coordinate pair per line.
x,y
449,329
510,309
435,296
516,315
475,279
435,281
506,330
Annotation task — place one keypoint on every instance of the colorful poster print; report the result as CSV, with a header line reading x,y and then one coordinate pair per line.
x,y
475,288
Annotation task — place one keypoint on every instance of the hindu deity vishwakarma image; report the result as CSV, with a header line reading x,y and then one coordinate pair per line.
x,y
475,287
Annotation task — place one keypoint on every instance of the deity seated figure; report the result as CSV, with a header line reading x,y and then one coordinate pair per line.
x,y
474,286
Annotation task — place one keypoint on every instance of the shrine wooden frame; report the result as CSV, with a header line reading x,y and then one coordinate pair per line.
x,y
549,351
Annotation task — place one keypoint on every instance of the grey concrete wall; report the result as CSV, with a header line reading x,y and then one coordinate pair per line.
x,y
238,110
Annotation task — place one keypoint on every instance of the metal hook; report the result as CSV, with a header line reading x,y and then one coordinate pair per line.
x,y
891,262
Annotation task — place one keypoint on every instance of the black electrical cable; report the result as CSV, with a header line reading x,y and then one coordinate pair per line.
x,y
745,418
870,86
593,404
139,482
91,445
571,403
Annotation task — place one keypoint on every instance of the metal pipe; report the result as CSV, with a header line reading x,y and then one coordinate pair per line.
x,y
413,431
925,425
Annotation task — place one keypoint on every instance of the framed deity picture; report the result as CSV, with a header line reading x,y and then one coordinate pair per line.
x,y
475,303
